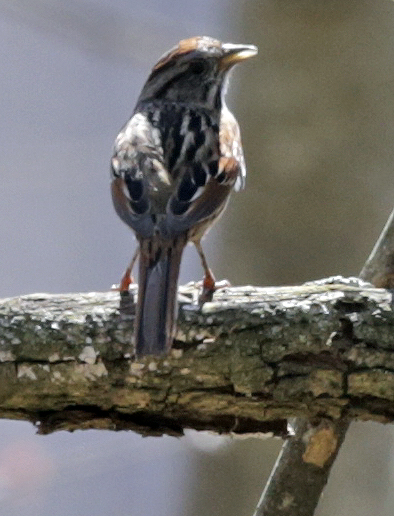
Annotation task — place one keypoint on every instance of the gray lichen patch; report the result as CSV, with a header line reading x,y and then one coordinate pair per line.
x,y
88,355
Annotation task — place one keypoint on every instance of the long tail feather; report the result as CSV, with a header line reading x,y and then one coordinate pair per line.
x,y
157,297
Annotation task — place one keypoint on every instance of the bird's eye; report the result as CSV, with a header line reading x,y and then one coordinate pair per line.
x,y
197,67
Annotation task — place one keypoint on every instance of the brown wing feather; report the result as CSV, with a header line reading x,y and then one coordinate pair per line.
x,y
208,206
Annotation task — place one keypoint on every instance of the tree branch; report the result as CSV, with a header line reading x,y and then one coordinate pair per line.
x,y
302,468
243,363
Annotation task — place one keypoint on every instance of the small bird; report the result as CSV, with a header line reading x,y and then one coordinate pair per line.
x,y
174,165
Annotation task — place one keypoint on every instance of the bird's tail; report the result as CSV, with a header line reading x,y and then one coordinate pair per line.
x,y
157,296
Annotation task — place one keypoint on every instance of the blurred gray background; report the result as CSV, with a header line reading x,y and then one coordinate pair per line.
x,y
316,109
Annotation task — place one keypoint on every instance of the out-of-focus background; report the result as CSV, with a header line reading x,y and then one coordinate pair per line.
x,y
316,109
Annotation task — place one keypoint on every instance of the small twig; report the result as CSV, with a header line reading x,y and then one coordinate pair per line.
x,y
379,268
304,464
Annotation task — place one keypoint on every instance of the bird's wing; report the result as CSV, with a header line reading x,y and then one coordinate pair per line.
x,y
141,185
204,187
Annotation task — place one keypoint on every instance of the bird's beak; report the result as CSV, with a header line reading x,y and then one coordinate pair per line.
x,y
234,54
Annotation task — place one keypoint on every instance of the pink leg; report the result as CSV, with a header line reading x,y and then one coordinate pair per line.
x,y
208,283
127,278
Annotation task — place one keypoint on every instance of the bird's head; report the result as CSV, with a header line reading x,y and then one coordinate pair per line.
x,y
194,71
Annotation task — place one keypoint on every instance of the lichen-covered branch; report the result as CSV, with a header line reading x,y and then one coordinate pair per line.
x,y
243,363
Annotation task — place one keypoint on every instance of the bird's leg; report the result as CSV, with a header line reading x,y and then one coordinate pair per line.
x,y
208,283
127,278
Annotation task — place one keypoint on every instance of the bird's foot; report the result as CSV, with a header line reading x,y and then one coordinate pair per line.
x,y
210,286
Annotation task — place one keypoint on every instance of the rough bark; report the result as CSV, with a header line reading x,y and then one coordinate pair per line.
x,y
243,363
